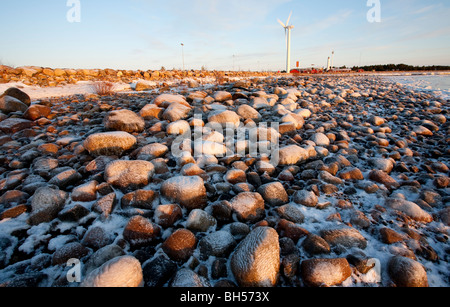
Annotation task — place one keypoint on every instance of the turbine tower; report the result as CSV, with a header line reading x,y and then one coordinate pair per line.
x,y
287,31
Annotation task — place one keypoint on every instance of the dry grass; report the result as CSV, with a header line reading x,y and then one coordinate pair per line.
x,y
220,79
104,88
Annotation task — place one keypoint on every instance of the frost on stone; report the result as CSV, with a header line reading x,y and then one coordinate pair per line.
x,y
120,272
256,262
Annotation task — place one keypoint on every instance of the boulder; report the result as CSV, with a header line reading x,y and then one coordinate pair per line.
x,y
325,272
109,143
36,111
151,111
164,100
383,178
217,244
346,237
129,175
12,125
320,139
152,151
140,231
180,245
176,111
292,154
221,96
124,120
225,118
119,272
248,206
188,191
46,204
274,194
409,208
18,94
247,112
186,278
306,198
200,220
256,261
406,272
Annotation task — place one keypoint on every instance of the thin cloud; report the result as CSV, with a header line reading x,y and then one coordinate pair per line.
x,y
326,23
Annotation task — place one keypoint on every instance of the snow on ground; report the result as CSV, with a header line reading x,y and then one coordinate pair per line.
x,y
80,88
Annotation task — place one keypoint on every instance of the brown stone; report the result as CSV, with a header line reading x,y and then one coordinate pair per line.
x,y
325,272
13,125
383,178
390,236
140,231
352,173
180,245
167,215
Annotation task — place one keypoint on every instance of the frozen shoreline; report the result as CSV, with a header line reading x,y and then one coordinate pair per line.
x,y
347,124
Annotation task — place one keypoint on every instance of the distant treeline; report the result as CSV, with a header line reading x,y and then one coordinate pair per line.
x,y
400,67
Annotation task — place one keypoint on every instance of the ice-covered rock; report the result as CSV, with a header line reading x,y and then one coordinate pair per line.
x,y
180,245
46,204
292,154
320,139
256,261
306,198
409,208
176,111
188,191
186,278
109,143
152,151
119,272
124,120
406,272
248,206
164,100
178,128
325,272
346,237
218,244
225,118
274,194
200,220
129,174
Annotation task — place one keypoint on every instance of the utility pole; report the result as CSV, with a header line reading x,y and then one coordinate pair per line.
x,y
182,53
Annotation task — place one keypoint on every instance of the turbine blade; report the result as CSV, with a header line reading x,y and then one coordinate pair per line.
x,y
287,22
281,23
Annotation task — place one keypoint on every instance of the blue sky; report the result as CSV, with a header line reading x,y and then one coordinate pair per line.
x,y
146,34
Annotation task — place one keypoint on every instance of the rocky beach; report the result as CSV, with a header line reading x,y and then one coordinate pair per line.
x,y
121,183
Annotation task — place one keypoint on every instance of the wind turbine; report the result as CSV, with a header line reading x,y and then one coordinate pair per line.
x,y
287,31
